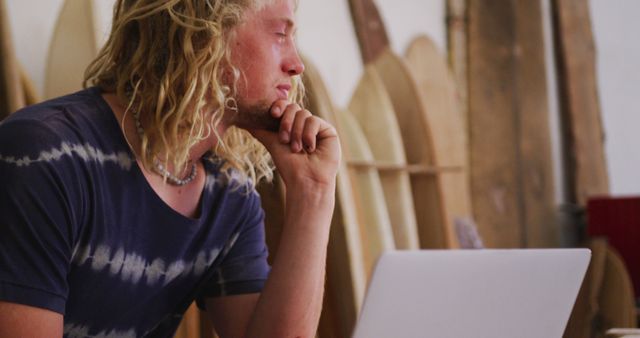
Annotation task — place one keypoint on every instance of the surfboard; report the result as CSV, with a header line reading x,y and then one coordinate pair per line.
x,y
30,93
11,93
73,47
190,325
450,143
375,225
272,196
373,110
346,277
617,302
512,183
580,107
433,228
456,14
606,296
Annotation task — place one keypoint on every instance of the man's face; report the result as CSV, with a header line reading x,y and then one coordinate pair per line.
x,y
265,52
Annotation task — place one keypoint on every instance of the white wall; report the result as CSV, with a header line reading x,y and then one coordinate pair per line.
x,y
32,23
616,29
327,38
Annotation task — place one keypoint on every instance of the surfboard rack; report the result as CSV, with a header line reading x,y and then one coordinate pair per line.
x,y
410,168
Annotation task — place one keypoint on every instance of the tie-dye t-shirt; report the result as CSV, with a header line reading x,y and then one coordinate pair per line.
x,y
82,233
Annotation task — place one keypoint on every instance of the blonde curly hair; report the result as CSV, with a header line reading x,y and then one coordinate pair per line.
x,y
168,59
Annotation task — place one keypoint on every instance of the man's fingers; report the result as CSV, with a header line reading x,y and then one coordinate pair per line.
x,y
286,122
278,107
310,133
307,132
298,127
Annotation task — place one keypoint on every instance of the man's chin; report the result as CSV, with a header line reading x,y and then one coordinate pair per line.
x,y
256,116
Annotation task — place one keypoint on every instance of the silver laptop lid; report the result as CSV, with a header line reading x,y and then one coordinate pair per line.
x,y
472,293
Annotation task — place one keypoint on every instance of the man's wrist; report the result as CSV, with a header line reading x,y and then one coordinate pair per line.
x,y
310,191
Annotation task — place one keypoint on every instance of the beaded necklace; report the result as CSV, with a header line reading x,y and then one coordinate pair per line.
x,y
159,167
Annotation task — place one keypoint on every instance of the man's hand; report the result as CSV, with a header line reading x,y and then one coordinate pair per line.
x,y
306,149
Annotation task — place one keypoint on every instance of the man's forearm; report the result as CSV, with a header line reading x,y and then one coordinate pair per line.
x,y
291,301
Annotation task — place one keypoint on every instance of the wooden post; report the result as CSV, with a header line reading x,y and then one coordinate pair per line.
x,y
457,23
510,151
586,169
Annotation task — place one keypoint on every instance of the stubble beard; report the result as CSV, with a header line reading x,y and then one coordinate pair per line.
x,y
255,116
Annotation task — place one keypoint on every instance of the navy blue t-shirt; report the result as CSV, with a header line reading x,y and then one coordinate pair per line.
x,y
82,232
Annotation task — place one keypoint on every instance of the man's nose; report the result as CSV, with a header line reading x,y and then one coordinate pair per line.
x,y
293,65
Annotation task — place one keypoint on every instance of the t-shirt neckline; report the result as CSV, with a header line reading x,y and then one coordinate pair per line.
x,y
104,107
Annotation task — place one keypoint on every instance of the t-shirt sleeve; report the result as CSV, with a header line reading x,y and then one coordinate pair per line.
x,y
36,216
244,267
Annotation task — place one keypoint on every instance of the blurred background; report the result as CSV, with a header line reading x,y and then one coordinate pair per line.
x,y
553,84
327,38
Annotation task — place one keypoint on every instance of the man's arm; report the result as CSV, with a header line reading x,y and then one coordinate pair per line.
x,y
291,301
38,215
230,315
19,320
307,154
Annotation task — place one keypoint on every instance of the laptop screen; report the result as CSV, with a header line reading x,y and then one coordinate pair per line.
x,y
472,293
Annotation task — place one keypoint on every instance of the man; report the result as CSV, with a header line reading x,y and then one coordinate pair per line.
x,y
124,202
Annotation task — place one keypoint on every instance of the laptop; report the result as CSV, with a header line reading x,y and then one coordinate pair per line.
x,y
524,293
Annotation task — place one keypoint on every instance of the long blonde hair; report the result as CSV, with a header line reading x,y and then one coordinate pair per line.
x,y
167,59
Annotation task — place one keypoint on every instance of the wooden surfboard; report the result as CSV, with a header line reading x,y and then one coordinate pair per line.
x,y
190,325
606,295
433,228
72,48
511,174
346,277
375,226
457,22
272,196
30,93
583,134
373,110
450,144
617,302
11,93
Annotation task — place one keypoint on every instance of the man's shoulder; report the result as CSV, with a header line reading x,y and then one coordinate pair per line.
x,y
77,127
55,108
57,113
25,134
74,120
